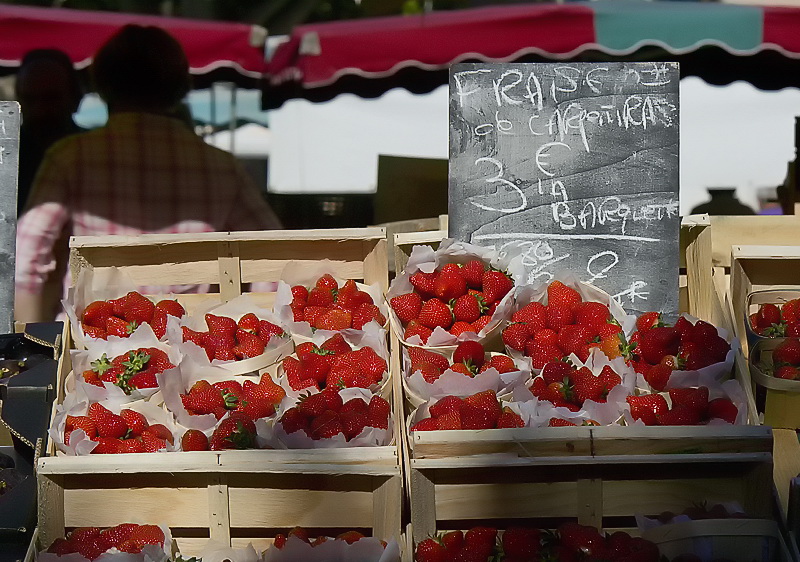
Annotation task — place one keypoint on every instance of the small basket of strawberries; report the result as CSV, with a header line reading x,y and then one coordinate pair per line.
x,y
775,368
772,313
482,410
563,317
457,292
314,298
237,336
126,542
467,370
298,546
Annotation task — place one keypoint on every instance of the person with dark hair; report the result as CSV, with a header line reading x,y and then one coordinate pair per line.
x,y
49,92
143,172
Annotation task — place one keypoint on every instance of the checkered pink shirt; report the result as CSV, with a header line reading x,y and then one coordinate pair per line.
x,y
141,173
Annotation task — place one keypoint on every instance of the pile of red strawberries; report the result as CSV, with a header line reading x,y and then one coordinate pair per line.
x,y
562,384
324,415
120,317
133,370
256,401
690,406
479,411
469,358
772,320
786,359
91,542
126,432
570,541
328,306
565,325
229,340
656,349
458,298
334,364
348,536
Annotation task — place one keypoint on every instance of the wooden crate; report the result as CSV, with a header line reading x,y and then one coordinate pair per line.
x,y
233,497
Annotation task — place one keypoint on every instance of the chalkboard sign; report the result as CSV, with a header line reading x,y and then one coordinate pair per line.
x,y
576,162
9,159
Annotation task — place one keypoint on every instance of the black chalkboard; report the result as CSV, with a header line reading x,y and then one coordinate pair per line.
x,y
9,158
578,162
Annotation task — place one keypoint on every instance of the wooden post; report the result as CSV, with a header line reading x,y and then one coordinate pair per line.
x,y
699,282
219,509
9,158
51,508
423,506
230,272
387,501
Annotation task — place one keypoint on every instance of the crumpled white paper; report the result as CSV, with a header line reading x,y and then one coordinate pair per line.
x,y
217,552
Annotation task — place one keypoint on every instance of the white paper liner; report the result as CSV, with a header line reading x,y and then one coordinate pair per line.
x,y
77,405
450,382
150,552
305,274
372,336
368,549
191,370
730,389
218,552
114,347
369,437
424,258
277,348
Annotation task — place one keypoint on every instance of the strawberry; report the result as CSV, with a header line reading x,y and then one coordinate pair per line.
x,y
472,272
559,422
542,354
336,345
299,294
194,440
495,285
312,405
471,353
326,281
106,445
131,445
372,364
96,313
136,421
769,315
679,415
534,314
266,330
85,423
426,424
581,538
647,407
503,364
406,306
463,369
788,372
202,398
723,409
657,342
353,423
147,534
334,319
161,431
159,323
430,550
790,311
194,336
560,294
658,376
468,308
365,313
261,399
509,418
609,378
237,431
118,534
221,325
60,547
293,420
648,320
423,282
171,307
514,336
435,313
93,332
453,541
378,412
449,420
90,545
449,285
116,326
151,443
326,425
473,417
481,541
787,352
137,308
586,386
591,313
108,423
444,405
249,323
559,315
414,328
349,537
480,324
572,338
322,297
460,327
487,401
521,542
250,345
694,398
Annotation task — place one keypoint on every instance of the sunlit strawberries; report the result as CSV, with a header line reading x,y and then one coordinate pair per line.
x,y
772,320
127,432
458,298
255,400
563,384
230,340
327,306
324,415
333,364
563,326
120,317
91,542
469,359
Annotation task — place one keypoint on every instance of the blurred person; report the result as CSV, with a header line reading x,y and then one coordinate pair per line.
x,y
49,93
143,172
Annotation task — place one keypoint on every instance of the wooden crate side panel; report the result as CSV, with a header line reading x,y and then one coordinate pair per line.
x,y
503,500
276,508
728,231
651,497
696,257
50,514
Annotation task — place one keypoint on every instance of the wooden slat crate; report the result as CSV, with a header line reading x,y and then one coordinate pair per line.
x,y
233,497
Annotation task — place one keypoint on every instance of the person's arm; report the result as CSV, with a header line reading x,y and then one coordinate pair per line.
x,y
251,211
37,232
